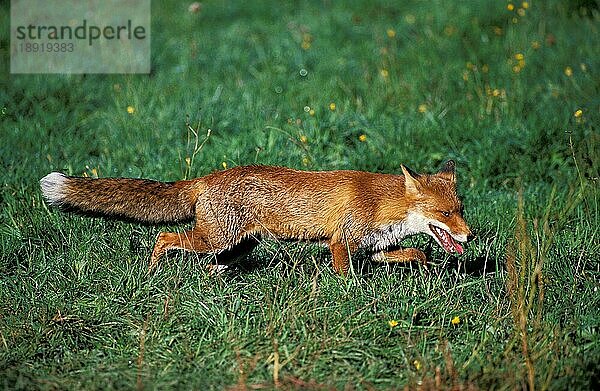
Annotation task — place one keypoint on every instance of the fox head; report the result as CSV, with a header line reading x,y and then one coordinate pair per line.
x,y
435,208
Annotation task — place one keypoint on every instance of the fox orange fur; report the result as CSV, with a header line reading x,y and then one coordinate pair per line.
x,y
349,210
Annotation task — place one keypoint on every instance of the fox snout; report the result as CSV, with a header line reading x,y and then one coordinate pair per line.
x,y
470,236
463,230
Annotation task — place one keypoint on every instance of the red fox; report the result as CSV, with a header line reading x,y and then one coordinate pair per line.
x,y
349,210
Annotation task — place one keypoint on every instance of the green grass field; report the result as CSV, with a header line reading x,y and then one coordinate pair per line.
x,y
510,91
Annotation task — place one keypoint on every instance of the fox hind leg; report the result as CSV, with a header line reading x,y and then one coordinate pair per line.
x,y
194,240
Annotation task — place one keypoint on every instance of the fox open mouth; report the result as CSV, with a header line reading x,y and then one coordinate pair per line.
x,y
446,240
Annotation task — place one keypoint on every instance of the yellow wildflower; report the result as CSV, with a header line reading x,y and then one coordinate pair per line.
x,y
422,108
391,33
224,164
578,116
455,320
332,106
521,60
384,73
393,323
525,5
130,109
510,6
303,139
417,365
362,138
569,71
311,112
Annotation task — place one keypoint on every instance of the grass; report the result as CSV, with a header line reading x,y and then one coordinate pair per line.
x,y
423,82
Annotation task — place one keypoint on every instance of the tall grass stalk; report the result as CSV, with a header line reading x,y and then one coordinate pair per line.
x,y
527,254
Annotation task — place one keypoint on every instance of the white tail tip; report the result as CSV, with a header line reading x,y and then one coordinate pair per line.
x,y
53,187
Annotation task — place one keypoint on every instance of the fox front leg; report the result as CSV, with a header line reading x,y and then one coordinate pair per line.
x,y
401,255
341,253
340,258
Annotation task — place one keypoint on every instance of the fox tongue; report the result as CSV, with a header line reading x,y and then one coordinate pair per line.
x,y
448,242
458,247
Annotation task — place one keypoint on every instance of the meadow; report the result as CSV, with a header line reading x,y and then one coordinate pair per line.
x,y
509,90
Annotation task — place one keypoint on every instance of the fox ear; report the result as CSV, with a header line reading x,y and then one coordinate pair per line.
x,y
448,171
411,183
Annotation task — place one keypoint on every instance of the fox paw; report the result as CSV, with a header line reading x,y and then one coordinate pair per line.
x,y
401,255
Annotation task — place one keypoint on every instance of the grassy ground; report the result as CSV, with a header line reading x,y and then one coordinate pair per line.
x,y
315,85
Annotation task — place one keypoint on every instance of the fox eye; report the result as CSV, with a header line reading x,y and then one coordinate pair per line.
x,y
445,213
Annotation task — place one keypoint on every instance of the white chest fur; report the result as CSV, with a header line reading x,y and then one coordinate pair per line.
x,y
392,234
384,237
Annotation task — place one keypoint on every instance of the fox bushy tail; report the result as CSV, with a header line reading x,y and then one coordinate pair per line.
x,y
130,199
